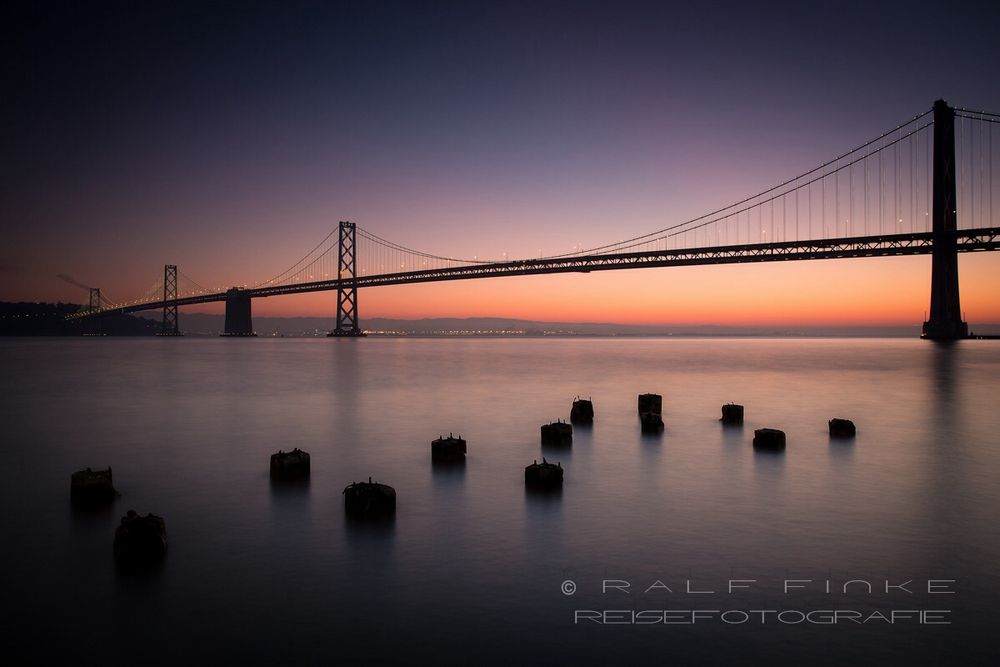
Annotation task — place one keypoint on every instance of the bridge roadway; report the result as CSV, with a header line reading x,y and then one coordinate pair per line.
x,y
968,240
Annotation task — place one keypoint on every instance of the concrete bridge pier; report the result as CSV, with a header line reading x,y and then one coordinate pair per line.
x,y
239,322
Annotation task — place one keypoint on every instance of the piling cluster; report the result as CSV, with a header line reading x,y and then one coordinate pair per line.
x,y
142,540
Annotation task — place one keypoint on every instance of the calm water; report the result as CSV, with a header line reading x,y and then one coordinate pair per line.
x,y
472,568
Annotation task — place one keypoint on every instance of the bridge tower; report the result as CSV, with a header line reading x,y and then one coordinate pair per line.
x,y
95,299
169,327
945,322
347,296
94,325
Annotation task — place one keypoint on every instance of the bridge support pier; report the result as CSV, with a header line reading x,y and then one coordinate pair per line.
x,y
347,289
239,323
945,321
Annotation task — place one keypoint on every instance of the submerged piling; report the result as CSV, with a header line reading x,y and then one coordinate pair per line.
x,y
651,422
369,499
842,428
140,540
582,411
650,403
769,438
543,475
732,414
287,466
650,412
557,434
448,450
92,487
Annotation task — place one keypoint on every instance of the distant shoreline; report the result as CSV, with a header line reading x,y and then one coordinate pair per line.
x,y
40,319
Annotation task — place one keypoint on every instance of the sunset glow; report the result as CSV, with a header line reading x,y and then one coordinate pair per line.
x,y
521,146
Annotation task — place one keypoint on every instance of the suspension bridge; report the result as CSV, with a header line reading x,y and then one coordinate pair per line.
x,y
924,187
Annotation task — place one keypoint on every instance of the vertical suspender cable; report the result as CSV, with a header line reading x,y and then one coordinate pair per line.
x,y
981,151
895,184
866,197
928,182
911,183
881,188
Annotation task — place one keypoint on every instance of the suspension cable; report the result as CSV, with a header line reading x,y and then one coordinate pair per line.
x,y
597,249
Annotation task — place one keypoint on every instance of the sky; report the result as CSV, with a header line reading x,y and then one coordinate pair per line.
x,y
229,138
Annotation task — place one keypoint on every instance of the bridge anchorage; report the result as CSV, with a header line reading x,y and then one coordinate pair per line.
x,y
891,196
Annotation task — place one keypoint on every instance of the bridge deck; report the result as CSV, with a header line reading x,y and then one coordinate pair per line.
x,y
969,240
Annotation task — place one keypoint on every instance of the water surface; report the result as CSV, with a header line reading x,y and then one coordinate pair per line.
x,y
471,569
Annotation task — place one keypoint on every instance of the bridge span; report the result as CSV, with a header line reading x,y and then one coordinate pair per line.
x,y
840,209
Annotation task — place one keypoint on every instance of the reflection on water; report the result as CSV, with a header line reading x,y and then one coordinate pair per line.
x,y
471,557
373,532
541,497
289,498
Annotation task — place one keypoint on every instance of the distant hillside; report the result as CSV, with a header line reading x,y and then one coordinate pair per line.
x,y
197,323
49,319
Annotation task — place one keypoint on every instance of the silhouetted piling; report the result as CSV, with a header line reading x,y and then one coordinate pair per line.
x,y
543,475
732,414
293,465
92,487
842,428
140,540
557,434
448,450
650,403
582,411
769,438
369,499
651,422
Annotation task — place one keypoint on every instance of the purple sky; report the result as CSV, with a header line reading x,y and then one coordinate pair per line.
x,y
230,137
